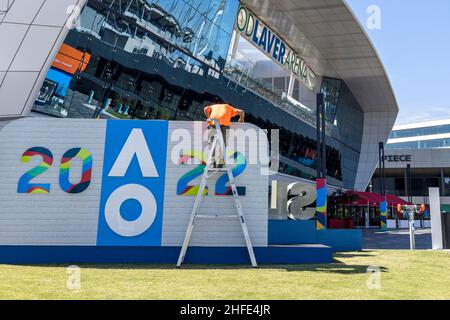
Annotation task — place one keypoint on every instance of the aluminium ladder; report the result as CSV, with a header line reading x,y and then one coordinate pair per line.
x,y
208,173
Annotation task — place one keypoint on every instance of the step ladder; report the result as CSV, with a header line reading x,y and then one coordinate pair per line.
x,y
209,172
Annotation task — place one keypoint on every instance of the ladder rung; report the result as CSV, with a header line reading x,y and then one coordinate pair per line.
x,y
217,169
217,216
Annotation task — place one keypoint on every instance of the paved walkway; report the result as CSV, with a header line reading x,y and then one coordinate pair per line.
x,y
395,239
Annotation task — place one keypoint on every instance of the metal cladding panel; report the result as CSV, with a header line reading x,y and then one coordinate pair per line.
x,y
70,183
31,33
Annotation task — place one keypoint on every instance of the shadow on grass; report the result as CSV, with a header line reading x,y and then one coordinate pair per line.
x,y
349,255
337,267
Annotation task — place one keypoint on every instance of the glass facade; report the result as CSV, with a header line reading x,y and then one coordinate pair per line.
x,y
111,55
417,138
418,132
422,144
331,89
348,131
421,180
419,185
167,59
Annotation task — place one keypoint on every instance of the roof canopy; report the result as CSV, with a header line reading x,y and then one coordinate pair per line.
x,y
331,40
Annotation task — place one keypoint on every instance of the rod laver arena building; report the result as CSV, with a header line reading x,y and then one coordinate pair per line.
x,y
167,59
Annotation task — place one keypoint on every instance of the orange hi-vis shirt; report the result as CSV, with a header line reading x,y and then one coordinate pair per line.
x,y
222,112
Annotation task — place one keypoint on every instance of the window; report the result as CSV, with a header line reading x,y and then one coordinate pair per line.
x,y
331,89
417,132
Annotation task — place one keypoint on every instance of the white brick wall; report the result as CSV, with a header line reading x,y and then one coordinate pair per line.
x,y
66,219
57,218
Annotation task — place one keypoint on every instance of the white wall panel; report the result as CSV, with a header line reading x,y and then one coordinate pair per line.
x,y
215,232
420,158
23,11
13,93
60,218
54,12
57,218
31,34
377,128
35,49
11,36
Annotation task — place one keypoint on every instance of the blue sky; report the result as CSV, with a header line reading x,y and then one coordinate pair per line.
x,y
414,45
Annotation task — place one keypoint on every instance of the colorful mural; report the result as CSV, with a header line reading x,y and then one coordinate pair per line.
x,y
321,204
66,164
24,185
383,214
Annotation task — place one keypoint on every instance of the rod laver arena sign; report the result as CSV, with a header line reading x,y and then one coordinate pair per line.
x,y
273,46
122,183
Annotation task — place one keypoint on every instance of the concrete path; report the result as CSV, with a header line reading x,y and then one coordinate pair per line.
x,y
395,239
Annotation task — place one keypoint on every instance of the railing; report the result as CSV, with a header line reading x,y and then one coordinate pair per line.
x,y
242,75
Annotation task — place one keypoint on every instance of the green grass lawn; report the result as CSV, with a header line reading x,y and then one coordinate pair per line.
x,y
404,275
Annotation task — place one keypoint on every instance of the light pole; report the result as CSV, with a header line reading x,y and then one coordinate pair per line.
x,y
382,163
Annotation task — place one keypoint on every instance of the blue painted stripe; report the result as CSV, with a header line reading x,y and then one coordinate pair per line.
x,y
161,255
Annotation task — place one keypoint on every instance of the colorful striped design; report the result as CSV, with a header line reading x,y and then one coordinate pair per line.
x,y
24,185
222,188
383,214
66,164
321,204
183,187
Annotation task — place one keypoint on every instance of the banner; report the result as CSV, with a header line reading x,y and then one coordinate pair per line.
x,y
383,215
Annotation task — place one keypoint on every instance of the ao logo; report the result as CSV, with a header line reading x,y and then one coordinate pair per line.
x,y
134,170
134,146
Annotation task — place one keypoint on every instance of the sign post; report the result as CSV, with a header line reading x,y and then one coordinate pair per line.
x,y
384,203
436,219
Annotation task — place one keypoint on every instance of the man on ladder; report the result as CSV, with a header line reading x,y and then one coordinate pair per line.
x,y
219,120
223,113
